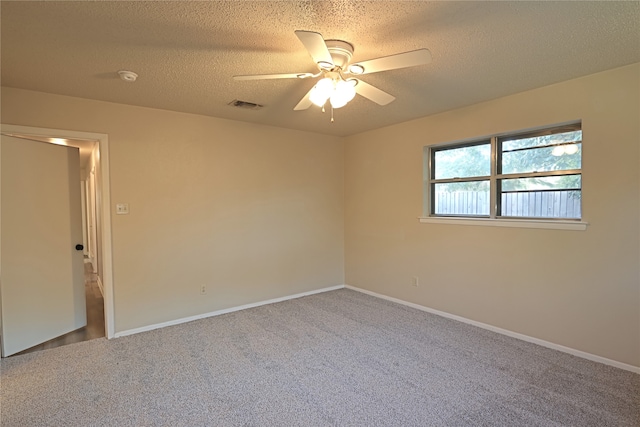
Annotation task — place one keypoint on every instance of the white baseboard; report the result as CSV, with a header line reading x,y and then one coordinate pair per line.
x,y
506,332
99,281
223,311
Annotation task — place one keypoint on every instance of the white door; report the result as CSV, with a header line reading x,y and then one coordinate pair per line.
x,y
41,271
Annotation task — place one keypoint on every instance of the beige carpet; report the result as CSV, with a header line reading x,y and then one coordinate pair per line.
x,y
339,358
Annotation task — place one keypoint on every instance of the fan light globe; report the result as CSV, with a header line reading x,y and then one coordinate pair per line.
x,y
321,91
345,91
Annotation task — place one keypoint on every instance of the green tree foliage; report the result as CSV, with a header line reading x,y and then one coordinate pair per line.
x,y
463,162
523,155
537,155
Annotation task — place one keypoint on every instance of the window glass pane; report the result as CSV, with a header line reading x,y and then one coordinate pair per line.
x,y
463,162
544,183
547,197
542,204
543,159
461,198
509,144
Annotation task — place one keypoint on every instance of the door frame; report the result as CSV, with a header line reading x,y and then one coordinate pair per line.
x,y
105,192
90,197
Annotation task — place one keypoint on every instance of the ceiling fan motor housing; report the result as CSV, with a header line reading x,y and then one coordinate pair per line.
x,y
341,52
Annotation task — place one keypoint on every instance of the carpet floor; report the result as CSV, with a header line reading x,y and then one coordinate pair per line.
x,y
339,358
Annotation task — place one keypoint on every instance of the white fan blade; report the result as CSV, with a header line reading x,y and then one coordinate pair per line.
x,y
315,45
305,102
373,93
393,62
274,76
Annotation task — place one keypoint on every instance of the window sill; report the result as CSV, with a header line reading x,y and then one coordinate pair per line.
x,y
515,223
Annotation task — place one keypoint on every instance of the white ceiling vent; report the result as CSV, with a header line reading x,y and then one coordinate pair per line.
x,y
246,105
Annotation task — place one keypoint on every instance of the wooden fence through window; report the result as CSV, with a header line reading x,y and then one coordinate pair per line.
x,y
533,204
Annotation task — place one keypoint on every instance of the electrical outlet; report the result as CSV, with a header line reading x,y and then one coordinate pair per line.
x,y
203,289
415,281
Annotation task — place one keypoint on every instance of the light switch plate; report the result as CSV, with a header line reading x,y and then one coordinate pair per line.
x,y
122,209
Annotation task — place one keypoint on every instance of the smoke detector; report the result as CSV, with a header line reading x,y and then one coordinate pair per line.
x,y
128,76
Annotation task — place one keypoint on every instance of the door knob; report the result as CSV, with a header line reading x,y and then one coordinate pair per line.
x,y
79,247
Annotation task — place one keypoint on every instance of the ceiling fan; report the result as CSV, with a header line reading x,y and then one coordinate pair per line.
x,y
337,85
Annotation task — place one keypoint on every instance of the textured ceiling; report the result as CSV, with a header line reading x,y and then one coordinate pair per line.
x,y
187,52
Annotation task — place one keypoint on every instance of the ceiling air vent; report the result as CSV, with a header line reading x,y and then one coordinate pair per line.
x,y
246,105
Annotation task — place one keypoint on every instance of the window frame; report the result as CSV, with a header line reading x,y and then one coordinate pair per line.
x,y
495,179
432,150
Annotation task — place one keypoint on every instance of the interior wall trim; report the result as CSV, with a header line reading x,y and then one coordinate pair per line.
x,y
223,311
99,282
553,346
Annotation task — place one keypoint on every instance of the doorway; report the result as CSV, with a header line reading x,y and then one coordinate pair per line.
x,y
101,265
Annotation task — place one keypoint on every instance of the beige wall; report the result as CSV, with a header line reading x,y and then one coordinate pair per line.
x,y
252,212
579,289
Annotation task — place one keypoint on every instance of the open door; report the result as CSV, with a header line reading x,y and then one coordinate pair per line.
x,y
41,270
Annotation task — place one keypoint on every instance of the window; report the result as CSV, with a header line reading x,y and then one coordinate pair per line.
x,y
533,175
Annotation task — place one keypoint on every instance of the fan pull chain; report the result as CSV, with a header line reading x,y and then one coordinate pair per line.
x,y
323,110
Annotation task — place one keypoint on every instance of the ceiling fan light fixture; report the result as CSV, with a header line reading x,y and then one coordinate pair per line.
x,y
343,93
356,69
322,91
